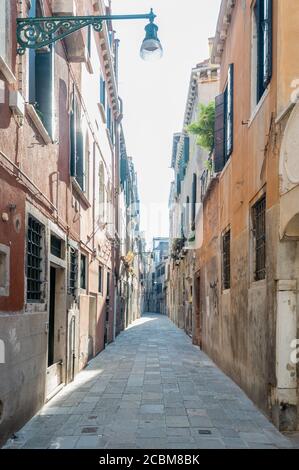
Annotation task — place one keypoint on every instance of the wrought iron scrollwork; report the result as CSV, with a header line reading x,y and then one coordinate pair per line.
x,y
35,33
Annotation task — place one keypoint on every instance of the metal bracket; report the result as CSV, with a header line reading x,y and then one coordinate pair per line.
x,y
35,33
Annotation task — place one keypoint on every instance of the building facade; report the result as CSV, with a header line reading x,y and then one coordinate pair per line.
x,y
59,203
155,277
189,161
245,292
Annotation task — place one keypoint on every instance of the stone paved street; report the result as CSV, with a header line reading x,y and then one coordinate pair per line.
x,y
150,389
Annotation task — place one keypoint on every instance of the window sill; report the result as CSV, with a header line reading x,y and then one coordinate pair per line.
x,y
7,72
102,111
258,106
38,123
79,192
260,283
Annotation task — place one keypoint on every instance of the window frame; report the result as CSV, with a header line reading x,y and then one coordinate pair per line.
x,y
226,259
259,240
41,294
83,272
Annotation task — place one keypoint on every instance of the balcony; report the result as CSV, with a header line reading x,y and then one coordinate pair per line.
x,y
207,178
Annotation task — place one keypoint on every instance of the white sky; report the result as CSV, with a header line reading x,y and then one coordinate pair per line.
x,y
154,93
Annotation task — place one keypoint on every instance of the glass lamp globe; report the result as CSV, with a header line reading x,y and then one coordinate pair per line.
x,y
151,48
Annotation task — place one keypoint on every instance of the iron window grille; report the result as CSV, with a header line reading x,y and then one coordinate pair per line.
x,y
83,272
34,260
259,228
100,287
73,271
56,246
226,260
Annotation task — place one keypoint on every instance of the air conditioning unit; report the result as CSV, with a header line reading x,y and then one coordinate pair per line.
x,y
17,103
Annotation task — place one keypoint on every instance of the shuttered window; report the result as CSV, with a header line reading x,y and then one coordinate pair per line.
x,y
224,123
263,18
44,87
41,78
219,160
83,266
103,92
186,149
229,113
194,200
77,158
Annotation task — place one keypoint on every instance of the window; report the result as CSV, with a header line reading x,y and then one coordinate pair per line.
x,y
34,260
4,270
100,285
41,78
226,260
56,246
83,272
73,271
5,33
103,92
89,32
259,231
77,157
261,48
194,201
108,285
224,123
109,119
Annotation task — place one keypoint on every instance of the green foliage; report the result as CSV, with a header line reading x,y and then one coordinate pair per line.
x,y
204,126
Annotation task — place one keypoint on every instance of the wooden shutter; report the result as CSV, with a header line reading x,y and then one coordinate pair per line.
x,y
102,92
73,125
123,170
229,137
186,149
80,157
267,42
194,200
219,160
44,87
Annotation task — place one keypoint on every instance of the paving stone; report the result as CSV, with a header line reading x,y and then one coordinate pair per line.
x,y
151,389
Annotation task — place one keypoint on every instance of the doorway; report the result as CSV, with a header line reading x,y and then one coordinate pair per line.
x,y
56,331
197,327
51,336
92,327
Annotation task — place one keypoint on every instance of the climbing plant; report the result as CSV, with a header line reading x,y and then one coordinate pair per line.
x,y
204,126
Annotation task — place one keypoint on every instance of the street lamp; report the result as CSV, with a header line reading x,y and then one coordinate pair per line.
x,y
151,47
35,33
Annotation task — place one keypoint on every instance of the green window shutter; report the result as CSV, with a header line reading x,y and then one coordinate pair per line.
x,y
73,125
186,149
102,92
267,41
109,118
229,107
123,170
219,160
44,87
31,71
80,160
178,185
194,199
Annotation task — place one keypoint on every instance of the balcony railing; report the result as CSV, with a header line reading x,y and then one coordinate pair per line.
x,y
207,177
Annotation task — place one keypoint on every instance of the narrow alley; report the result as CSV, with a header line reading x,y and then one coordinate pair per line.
x,y
151,388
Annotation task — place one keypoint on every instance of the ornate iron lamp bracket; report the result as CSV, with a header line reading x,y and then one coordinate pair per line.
x,y
35,33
